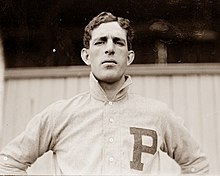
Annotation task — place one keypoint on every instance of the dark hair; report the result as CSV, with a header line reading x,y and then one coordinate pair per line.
x,y
106,17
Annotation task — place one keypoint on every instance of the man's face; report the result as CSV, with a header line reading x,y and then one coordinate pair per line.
x,y
108,54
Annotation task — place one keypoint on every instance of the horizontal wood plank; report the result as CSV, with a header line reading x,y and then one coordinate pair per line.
x,y
135,70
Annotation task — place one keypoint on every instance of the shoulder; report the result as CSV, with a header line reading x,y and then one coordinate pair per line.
x,y
149,103
65,104
155,107
62,107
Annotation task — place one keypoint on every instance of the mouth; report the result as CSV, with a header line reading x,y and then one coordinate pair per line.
x,y
109,62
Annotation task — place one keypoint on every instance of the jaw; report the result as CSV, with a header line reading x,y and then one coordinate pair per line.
x,y
110,75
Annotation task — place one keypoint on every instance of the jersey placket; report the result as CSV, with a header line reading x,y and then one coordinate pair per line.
x,y
111,139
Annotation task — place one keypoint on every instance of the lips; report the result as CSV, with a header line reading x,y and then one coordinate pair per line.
x,y
109,62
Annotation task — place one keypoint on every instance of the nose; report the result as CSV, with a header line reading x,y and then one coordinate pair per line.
x,y
110,49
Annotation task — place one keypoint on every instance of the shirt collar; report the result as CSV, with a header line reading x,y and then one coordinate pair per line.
x,y
98,93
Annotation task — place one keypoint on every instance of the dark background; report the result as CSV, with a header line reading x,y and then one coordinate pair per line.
x,y
32,29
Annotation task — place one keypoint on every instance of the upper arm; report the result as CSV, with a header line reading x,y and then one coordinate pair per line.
x,y
181,146
33,142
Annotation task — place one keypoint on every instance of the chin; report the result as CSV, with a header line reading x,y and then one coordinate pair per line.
x,y
111,78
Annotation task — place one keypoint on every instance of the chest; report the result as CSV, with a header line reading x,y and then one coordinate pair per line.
x,y
111,135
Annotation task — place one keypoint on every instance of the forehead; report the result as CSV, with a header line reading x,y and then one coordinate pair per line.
x,y
110,29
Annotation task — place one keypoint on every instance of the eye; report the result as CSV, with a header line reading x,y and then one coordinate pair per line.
x,y
99,43
120,43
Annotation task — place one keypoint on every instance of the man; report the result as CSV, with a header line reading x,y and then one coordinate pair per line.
x,y
106,130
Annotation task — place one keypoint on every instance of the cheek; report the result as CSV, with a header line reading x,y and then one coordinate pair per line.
x,y
95,55
94,63
123,52
123,57
95,51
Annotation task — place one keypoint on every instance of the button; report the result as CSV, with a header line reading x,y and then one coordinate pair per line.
x,y
193,169
111,140
111,120
110,103
5,158
111,159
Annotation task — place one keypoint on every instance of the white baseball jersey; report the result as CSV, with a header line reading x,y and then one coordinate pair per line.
x,y
89,134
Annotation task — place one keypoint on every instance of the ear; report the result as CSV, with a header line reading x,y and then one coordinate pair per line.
x,y
131,56
85,56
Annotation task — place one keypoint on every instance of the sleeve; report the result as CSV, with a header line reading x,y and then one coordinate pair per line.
x,y
181,146
33,142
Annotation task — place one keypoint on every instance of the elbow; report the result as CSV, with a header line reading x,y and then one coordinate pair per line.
x,y
198,166
11,167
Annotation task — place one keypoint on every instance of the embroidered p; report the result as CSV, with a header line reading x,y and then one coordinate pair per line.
x,y
139,148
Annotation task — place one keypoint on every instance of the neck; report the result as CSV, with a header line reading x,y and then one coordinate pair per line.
x,y
111,89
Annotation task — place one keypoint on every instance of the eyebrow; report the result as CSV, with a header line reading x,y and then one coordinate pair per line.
x,y
115,39
104,38
101,38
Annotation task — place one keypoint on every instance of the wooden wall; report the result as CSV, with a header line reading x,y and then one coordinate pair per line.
x,y
2,69
192,91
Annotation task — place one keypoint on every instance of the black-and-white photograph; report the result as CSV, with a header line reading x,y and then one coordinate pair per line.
x,y
120,87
